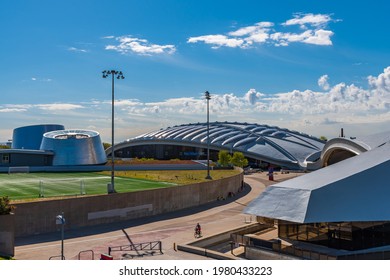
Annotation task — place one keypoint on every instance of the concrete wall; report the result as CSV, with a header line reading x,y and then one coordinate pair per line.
x,y
39,216
7,236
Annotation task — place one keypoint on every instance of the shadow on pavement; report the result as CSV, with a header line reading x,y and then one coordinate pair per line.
x,y
104,228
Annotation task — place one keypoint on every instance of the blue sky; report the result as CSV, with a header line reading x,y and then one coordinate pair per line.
x,y
311,66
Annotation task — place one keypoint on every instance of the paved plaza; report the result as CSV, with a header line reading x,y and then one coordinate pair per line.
x,y
171,229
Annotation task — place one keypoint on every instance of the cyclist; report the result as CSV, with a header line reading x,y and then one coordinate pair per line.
x,y
198,230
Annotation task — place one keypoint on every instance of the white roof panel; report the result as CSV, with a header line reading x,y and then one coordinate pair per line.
x,y
356,189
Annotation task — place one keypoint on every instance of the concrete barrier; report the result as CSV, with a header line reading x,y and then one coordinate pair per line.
x,y
39,216
7,235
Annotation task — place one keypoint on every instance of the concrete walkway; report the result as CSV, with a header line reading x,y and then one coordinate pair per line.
x,y
171,229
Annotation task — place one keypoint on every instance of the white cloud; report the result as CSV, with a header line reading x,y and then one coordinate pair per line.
x,y
268,33
124,102
310,111
323,82
258,33
34,79
342,100
382,82
303,20
217,41
58,106
320,37
128,44
9,110
73,49
252,96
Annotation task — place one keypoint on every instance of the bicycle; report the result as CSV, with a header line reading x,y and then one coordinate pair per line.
x,y
198,234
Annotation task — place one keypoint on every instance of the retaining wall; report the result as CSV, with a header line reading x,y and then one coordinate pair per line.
x,y
39,216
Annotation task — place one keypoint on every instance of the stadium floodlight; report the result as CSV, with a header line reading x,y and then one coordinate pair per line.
x,y
207,96
119,76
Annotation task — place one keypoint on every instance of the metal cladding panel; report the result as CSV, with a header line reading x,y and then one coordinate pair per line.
x,y
30,137
354,189
69,149
272,144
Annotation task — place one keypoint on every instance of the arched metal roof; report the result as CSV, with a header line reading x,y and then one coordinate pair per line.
x,y
340,148
289,149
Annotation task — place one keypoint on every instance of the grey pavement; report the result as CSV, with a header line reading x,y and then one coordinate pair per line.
x,y
171,229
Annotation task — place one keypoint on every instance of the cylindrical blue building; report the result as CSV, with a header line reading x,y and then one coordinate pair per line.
x,y
74,147
30,137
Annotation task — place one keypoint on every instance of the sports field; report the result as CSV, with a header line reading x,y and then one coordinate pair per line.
x,y
20,186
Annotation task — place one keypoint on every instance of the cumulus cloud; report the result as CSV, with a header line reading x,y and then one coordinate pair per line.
x,y
128,44
267,32
305,20
340,101
317,37
323,82
339,104
382,82
217,41
252,96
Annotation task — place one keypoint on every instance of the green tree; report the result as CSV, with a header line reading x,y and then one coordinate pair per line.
x,y
238,159
224,158
106,145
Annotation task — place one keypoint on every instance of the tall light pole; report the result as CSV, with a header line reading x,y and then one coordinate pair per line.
x,y
118,75
207,96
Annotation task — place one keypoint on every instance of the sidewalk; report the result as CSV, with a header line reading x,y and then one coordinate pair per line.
x,y
171,229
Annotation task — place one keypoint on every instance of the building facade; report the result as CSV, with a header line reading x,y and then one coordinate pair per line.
x,y
259,143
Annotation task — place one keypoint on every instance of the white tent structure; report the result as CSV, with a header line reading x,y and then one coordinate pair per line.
x,y
356,189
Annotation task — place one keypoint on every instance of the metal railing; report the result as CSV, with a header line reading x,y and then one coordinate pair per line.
x,y
87,251
146,248
59,256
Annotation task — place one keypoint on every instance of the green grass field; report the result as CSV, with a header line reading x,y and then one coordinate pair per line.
x,y
21,186
27,186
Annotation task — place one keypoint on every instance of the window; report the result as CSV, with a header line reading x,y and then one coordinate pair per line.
x,y
5,158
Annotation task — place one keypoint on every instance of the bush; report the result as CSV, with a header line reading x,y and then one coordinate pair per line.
x,y
5,207
238,159
224,158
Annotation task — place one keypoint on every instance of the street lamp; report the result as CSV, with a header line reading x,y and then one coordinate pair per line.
x,y
60,220
118,75
207,96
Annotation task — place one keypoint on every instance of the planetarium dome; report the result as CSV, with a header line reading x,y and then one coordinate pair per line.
x,y
74,147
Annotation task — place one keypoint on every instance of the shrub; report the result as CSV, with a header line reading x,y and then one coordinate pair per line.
x,y
5,207
238,159
224,158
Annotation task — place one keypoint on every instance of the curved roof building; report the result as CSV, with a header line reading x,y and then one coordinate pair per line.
x,y
341,148
354,189
282,147
343,206
74,147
